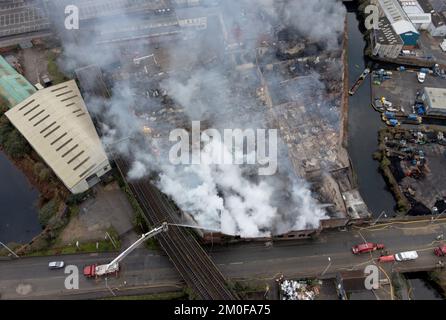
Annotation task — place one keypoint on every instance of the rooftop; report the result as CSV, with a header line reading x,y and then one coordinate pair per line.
x,y
385,34
14,88
437,97
397,17
105,8
437,9
56,123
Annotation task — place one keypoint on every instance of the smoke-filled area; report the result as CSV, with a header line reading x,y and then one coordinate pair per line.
x,y
195,78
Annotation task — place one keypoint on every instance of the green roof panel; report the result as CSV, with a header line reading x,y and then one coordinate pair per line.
x,y
14,88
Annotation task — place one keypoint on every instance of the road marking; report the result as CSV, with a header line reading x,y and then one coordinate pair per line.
x,y
236,263
398,222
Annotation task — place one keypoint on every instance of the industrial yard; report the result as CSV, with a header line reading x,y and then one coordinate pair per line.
x,y
403,92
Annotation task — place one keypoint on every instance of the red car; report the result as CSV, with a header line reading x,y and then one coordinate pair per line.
x,y
440,251
367,247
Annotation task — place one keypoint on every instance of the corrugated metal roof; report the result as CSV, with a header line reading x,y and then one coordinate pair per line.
x,y
14,88
56,123
402,27
397,17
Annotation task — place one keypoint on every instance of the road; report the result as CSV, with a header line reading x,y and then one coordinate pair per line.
x,y
151,271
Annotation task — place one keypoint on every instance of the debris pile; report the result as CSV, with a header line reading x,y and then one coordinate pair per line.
x,y
299,290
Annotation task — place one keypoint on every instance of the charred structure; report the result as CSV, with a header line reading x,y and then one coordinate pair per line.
x,y
227,66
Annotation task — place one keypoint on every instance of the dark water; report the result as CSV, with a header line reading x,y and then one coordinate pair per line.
x,y
18,199
364,124
422,288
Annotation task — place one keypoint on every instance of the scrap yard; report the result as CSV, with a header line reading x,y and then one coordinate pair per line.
x,y
416,159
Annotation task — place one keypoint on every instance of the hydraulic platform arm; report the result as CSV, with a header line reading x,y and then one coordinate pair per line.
x,y
143,238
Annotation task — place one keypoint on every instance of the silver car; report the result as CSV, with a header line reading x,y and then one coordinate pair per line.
x,y
56,265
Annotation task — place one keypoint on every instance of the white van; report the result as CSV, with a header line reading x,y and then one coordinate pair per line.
x,y
406,256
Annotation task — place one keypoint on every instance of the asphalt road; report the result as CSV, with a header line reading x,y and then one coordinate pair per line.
x,y
151,271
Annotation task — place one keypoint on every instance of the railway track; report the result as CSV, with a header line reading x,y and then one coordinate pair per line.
x,y
188,257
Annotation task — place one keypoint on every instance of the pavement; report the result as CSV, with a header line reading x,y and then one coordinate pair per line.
x,y
109,207
146,271
431,47
401,90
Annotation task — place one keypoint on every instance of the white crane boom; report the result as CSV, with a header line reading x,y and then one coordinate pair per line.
x,y
143,238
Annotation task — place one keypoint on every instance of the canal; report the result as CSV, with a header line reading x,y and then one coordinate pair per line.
x,y
364,124
420,287
18,205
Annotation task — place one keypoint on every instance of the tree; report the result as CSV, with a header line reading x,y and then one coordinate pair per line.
x,y
47,212
15,145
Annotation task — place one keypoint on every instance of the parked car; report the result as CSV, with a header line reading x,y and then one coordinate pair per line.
x,y
440,251
367,247
406,256
56,265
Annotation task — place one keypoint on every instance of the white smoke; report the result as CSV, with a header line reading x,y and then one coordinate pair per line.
x,y
225,197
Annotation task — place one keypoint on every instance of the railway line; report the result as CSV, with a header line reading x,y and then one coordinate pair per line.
x,y
188,257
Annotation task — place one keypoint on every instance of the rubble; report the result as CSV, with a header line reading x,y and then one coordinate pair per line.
x,y
299,289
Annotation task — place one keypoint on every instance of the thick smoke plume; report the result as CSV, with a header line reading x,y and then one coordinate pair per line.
x,y
232,198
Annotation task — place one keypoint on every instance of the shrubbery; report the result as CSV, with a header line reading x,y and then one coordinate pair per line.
x,y
10,139
47,212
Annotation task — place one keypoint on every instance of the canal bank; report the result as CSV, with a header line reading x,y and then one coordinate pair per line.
x,y
19,221
364,124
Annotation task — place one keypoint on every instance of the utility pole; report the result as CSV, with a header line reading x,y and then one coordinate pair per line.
x,y
433,220
379,217
326,269
6,247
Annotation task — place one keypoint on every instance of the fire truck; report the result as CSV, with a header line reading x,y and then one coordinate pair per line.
x,y
367,247
95,270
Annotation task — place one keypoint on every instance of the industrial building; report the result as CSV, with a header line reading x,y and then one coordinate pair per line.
x,y
56,122
386,43
435,101
420,18
399,21
14,88
437,8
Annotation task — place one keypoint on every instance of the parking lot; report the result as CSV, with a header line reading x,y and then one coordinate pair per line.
x,y
401,90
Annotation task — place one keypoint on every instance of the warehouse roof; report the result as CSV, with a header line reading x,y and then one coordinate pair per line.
x,y
397,17
385,34
438,18
14,88
56,122
437,97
